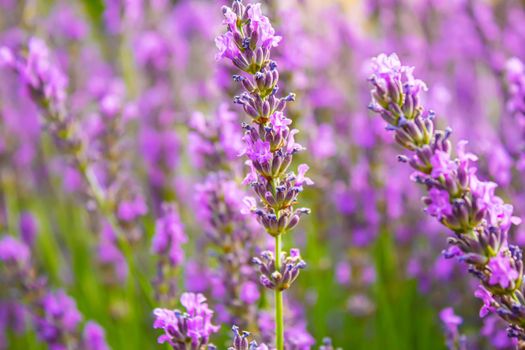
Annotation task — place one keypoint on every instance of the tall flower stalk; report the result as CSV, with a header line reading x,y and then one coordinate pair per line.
x,y
167,244
479,220
46,85
231,237
269,144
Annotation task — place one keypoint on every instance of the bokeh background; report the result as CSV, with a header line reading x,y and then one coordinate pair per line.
x,y
154,109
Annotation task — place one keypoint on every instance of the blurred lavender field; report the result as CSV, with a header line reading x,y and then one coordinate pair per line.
x,y
173,170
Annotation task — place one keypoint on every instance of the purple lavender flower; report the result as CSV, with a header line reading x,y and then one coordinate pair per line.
x,y
94,337
167,244
488,301
65,23
503,271
169,236
60,318
451,323
479,219
14,252
215,142
231,237
42,75
55,315
269,141
191,328
343,273
130,210
283,277
249,293
496,336
110,256
105,182
229,44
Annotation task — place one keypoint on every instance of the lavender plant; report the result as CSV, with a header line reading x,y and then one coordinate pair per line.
x,y
47,86
117,200
232,238
137,71
480,220
55,315
270,144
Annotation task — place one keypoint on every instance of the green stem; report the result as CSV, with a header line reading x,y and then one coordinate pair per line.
x,y
279,313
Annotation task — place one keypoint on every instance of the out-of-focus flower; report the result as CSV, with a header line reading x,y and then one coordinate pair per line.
x,y
190,328
169,235
479,219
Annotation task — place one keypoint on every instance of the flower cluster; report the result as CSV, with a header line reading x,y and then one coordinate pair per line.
x,y
47,86
191,328
269,141
169,235
61,318
14,253
468,206
94,149
283,277
108,185
229,236
55,315
167,244
249,38
94,337
215,142
44,79
219,201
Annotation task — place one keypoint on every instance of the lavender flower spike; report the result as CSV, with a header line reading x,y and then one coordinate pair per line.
x,y
479,220
269,141
167,245
191,328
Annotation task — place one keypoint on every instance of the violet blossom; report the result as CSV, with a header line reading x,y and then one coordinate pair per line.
x,y
192,327
478,218
269,141
55,315
167,245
